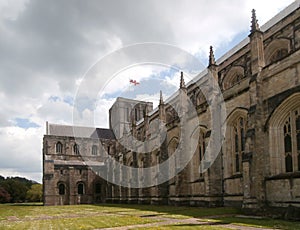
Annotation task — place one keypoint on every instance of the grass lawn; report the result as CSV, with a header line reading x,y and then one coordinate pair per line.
x,y
36,216
186,226
67,217
262,223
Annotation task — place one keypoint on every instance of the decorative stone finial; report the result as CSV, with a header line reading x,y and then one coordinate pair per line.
x,y
254,24
161,100
212,60
182,84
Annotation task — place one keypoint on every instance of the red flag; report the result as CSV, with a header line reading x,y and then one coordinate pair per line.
x,y
134,82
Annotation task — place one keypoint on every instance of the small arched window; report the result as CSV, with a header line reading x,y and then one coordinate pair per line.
x,y
80,189
94,150
278,54
59,147
234,76
76,149
277,50
61,189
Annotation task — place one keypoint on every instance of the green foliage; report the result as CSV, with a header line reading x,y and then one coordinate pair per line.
x,y
16,187
35,193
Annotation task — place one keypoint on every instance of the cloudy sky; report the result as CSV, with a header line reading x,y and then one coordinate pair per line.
x,y
48,47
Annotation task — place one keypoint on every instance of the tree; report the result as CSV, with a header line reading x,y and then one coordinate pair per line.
x,y
4,196
16,189
35,193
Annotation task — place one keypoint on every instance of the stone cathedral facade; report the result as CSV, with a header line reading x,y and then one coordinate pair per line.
x,y
259,163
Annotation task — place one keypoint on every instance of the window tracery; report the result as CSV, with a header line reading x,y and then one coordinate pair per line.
x,y
291,137
239,143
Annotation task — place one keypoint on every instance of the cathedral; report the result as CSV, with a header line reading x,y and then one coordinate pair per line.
x,y
257,166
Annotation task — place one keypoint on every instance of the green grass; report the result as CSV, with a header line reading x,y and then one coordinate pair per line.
x,y
185,226
36,216
260,223
67,217
76,223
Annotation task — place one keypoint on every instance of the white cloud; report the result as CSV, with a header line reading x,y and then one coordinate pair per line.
x,y
21,150
10,10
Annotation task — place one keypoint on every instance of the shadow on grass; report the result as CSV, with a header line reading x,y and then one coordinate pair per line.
x,y
263,223
187,212
213,216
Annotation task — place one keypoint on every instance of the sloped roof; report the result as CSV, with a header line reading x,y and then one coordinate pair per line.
x,y
80,131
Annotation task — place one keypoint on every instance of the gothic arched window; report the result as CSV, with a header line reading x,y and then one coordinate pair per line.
x,y
235,142
239,142
58,147
284,136
291,133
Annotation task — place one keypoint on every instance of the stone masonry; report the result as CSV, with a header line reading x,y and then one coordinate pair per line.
x,y
258,166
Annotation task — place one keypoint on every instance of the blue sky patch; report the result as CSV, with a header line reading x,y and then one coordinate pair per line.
x,y
25,123
69,100
54,98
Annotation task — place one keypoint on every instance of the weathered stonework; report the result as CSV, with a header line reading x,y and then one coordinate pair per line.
x,y
259,164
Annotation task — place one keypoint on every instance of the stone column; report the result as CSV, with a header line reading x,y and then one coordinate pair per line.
x,y
254,157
